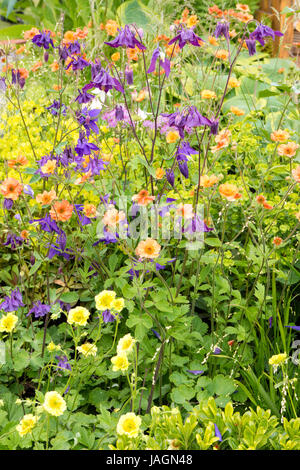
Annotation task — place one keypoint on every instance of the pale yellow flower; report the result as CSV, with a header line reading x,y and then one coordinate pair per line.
x,y
54,404
8,323
105,299
120,362
278,359
129,424
78,316
87,349
26,424
118,304
125,344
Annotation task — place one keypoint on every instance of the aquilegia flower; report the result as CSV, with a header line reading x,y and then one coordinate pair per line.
x,y
186,35
12,302
222,29
165,64
84,97
43,40
104,82
88,119
39,309
55,107
126,38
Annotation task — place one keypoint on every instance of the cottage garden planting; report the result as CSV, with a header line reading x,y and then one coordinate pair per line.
x,y
149,187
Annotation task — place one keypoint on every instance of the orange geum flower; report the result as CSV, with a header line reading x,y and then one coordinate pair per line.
x,y
49,167
29,34
23,73
260,199
232,33
89,210
133,54
288,150
185,211
54,66
37,66
243,7
69,37
148,248
213,41
20,160
222,54
20,50
267,205
296,174
143,198
233,82
46,197
111,27
61,211
11,188
24,234
113,217
208,95
115,57
172,136
224,134
57,87
237,111
141,96
159,173
192,21
208,181
277,241
244,17
280,136
229,191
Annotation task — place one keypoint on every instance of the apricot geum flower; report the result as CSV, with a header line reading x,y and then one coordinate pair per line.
x,y
27,424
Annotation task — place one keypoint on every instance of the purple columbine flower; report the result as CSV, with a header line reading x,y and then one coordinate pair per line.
x,y
84,220
39,309
251,45
55,107
13,301
196,225
214,127
218,433
217,350
47,224
293,327
195,372
126,38
74,48
118,114
8,203
16,78
84,147
108,317
59,247
156,334
84,97
270,322
129,75
43,40
63,363
165,64
13,241
222,29
170,177
183,168
262,31
104,82
95,165
186,36
78,63
3,84
27,189
88,119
